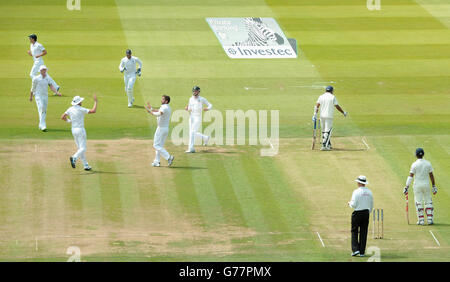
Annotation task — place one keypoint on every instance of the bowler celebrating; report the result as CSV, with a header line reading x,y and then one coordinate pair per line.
x,y
195,107
37,51
326,104
39,89
128,67
75,115
422,171
162,131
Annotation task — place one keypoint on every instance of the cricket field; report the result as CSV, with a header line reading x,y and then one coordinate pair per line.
x,y
390,69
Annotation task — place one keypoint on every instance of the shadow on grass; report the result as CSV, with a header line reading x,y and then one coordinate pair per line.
x,y
137,107
347,150
102,172
186,167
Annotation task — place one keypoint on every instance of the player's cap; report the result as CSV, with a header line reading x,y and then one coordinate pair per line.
x,y
128,51
329,89
420,152
43,67
362,179
195,88
34,36
76,100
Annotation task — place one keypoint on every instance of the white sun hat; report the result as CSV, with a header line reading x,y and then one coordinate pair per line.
x,y
42,67
76,100
362,179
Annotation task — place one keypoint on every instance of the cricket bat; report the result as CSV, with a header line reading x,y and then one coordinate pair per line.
x,y
314,134
407,209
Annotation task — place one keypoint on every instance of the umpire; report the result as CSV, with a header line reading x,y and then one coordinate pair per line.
x,y
362,202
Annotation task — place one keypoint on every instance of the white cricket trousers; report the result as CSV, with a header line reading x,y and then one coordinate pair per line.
x,y
194,126
326,124
422,197
79,134
35,71
129,80
41,103
159,139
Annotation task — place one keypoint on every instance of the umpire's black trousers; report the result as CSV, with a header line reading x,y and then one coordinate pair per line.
x,y
360,224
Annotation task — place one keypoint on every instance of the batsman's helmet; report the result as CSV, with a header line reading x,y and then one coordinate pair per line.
x,y
128,52
329,89
419,152
34,36
195,88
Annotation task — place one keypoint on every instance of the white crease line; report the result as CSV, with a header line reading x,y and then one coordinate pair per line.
x,y
254,88
365,143
437,242
320,238
36,245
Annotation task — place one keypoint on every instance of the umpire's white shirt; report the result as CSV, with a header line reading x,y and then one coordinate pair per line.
x,y
40,85
421,170
37,49
130,65
195,105
327,102
362,199
76,114
164,119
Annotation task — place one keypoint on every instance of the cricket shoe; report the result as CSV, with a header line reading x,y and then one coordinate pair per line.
x,y
130,105
205,143
354,254
156,164
362,255
325,148
87,168
430,222
170,160
190,151
72,162
421,222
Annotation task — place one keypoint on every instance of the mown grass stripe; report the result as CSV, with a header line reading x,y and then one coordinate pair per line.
x,y
110,193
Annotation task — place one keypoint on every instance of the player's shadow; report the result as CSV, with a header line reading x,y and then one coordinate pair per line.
x,y
348,150
138,107
102,172
187,167
439,224
59,130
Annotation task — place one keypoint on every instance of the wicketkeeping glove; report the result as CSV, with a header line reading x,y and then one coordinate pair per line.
x,y
405,190
138,72
434,190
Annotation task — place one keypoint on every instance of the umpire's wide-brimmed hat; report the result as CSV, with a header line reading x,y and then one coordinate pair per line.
x,y
76,100
362,179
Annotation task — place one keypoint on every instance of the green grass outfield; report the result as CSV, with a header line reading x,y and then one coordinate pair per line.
x,y
390,69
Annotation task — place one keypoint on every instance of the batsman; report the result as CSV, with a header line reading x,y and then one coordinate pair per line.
x,y
422,172
326,103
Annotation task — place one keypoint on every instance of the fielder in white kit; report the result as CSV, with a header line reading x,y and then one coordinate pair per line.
x,y
422,172
39,89
326,103
37,51
128,67
162,131
75,115
195,107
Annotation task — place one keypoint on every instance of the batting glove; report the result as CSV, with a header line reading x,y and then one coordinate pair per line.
x,y
345,114
434,189
314,118
405,190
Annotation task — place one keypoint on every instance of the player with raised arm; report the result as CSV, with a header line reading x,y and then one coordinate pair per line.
x,y
75,115
39,89
162,131
195,108
326,103
128,68
422,172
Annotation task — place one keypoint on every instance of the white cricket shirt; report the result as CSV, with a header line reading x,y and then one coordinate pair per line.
x,y
362,199
130,65
76,114
327,102
421,170
195,105
37,49
40,84
164,119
